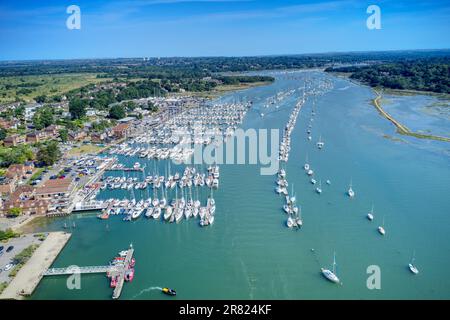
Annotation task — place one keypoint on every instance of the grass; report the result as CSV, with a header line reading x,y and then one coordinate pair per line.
x,y
36,175
3,286
84,149
28,87
220,89
22,258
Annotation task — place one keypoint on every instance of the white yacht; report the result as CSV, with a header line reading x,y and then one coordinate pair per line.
x,y
156,213
411,266
331,275
381,229
306,165
350,191
320,143
319,188
370,214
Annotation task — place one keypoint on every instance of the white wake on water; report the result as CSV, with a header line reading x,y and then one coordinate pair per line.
x,y
146,290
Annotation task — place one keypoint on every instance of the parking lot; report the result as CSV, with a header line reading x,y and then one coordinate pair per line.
x,y
6,257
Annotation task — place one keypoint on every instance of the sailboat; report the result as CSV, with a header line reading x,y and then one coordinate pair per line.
x,y
331,275
319,188
370,214
381,229
411,265
306,165
320,143
298,218
350,191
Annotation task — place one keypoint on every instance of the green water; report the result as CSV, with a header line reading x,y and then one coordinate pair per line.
x,y
249,253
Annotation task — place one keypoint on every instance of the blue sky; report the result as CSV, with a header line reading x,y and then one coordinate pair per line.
x,y
137,28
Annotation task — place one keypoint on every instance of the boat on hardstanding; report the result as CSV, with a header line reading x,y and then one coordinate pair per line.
x,y
331,274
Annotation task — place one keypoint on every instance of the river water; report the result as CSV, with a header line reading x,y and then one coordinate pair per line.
x,y
249,253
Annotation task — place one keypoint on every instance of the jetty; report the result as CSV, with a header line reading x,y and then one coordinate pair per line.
x,y
117,271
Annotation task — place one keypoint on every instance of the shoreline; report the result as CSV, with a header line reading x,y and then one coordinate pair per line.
x,y
30,275
220,90
402,129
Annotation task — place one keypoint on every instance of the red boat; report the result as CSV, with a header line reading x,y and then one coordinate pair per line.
x,y
129,275
113,283
132,262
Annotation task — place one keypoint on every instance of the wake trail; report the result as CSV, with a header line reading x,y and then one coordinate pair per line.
x,y
146,290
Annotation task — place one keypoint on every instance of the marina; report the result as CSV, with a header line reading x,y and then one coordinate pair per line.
x,y
354,155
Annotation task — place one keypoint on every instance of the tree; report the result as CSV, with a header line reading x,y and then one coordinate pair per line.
x,y
77,108
15,155
19,112
49,153
41,98
8,233
117,112
3,134
130,105
14,212
43,118
64,134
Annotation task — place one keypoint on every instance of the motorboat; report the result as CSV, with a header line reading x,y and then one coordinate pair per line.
x,y
169,292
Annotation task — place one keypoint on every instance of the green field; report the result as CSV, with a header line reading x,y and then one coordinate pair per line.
x,y
28,87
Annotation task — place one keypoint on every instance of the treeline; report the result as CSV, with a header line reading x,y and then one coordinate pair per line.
x,y
198,67
232,80
423,75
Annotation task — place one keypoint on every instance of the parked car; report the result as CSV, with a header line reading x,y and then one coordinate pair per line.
x,y
1,248
8,267
53,177
10,248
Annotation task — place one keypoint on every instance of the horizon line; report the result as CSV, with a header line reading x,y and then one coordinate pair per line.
x,y
221,56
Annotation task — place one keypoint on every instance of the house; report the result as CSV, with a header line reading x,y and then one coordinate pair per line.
x,y
9,124
77,135
16,171
55,189
99,137
126,120
7,185
35,136
24,198
121,130
52,131
14,140
91,112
